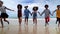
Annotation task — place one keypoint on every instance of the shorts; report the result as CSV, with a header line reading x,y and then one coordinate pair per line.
x,y
47,19
58,19
4,15
26,17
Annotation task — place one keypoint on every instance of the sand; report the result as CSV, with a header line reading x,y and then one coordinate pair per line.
x,y
15,28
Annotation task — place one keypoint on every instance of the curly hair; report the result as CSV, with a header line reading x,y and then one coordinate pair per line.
x,y
58,5
46,5
19,6
35,8
1,2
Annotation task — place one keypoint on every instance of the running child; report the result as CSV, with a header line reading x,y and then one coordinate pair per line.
x,y
4,15
19,7
57,14
26,13
47,14
34,13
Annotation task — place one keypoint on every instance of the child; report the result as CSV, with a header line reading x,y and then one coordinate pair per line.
x,y
57,14
35,14
4,15
26,13
57,19
19,7
47,14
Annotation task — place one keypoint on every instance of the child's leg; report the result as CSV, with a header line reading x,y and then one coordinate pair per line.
x,y
59,22
1,22
36,20
56,20
6,20
20,20
33,20
27,19
46,21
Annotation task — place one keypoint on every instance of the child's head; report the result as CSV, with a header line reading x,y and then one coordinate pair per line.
x,y
46,6
35,8
1,3
58,6
19,6
26,7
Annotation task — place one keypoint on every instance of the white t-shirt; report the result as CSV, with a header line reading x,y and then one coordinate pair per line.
x,y
47,12
3,9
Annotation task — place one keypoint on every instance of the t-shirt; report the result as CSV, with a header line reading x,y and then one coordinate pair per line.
x,y
26,12
47,12
58,13
3,9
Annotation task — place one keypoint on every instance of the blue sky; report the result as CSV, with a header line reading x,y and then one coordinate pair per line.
x,y
40,3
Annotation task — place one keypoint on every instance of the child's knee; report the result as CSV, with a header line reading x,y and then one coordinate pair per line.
x,y
5,20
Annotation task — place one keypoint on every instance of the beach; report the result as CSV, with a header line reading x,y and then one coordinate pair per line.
x,y
15,28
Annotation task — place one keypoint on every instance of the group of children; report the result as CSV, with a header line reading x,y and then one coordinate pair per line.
x,y
46,11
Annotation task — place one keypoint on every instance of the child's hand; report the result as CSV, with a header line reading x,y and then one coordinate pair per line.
x,y
40,15
12,10
52,14
31,14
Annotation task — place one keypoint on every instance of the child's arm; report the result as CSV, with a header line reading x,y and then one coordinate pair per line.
x,y
53,12
8,9
50,13
30,13
42,13
39,13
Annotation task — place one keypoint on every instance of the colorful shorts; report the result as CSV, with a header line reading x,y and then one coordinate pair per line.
x,y
47,19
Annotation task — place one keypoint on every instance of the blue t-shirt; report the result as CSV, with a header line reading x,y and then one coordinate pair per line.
x,y
26,12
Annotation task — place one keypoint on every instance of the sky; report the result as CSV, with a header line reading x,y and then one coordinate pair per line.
x,y
12,4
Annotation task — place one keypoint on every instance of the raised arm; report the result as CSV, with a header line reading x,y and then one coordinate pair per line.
x,y
8,9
